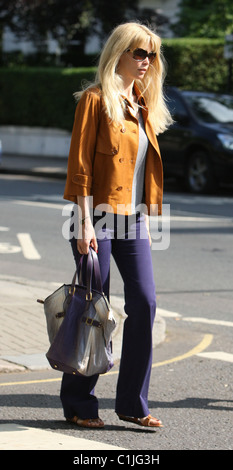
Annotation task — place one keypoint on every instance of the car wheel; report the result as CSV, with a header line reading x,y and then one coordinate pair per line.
x,y
199,175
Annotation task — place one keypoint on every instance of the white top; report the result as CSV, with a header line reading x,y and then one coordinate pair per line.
x,y
138,179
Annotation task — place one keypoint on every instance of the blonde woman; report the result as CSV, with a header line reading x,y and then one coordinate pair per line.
x,y
115,169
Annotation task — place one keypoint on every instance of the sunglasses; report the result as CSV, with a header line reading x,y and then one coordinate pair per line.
x,y
141,54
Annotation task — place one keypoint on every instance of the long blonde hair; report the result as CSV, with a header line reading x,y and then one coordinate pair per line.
x,y
130,36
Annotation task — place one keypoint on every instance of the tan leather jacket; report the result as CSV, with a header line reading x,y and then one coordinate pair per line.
x,y
102,157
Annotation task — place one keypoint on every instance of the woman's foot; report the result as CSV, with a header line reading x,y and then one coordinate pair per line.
x,y
86,423
148,421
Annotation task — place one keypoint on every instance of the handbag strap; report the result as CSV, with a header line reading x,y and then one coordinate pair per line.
x,y
92,266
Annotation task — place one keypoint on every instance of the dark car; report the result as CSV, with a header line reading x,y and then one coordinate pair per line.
x,y
199,146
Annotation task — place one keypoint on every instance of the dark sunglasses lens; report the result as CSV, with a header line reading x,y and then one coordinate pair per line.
x,y
152,56
141,54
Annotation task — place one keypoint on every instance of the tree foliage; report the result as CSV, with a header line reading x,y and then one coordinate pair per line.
x,y
66,21
210,19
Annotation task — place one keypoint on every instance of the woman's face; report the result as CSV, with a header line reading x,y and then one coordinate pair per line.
x,y
131,69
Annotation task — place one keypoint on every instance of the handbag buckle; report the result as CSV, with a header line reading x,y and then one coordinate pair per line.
x,y
89,296
89,321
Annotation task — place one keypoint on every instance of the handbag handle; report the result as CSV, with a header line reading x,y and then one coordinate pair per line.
x,y
92,266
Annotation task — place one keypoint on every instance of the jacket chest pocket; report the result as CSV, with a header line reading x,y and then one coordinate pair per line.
x,y
108,140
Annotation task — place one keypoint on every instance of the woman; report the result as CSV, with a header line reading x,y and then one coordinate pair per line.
x,y
115,168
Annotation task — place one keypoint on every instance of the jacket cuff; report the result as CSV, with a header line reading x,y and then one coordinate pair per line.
x,y
84,183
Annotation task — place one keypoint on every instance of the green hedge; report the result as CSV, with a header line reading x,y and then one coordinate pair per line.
x,y
40,96
196,64
43,97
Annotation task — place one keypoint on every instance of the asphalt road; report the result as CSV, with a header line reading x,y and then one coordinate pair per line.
x,y
191,383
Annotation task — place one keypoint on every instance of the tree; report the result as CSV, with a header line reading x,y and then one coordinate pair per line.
x,y
210,19
65,20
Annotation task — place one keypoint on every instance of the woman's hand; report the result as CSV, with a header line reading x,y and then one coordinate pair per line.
x,y
88,238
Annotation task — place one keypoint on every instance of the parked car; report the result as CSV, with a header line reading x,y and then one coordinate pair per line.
x,y
199,146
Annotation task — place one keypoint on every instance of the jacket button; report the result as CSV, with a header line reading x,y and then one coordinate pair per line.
x,y
123,130
114,151
119,188
121,160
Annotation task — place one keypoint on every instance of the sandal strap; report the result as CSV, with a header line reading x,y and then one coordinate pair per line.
x,y
87,423
148,421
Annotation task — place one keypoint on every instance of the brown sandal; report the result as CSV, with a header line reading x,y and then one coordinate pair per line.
x,y
148,421
87,423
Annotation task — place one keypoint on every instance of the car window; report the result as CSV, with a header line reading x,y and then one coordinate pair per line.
x,y
212,109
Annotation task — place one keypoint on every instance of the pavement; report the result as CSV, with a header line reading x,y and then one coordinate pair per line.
x,y
24,339
47,167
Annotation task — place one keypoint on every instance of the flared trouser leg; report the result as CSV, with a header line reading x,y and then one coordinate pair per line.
x,y
135,265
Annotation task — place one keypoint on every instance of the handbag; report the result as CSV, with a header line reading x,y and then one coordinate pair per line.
x,y
82,344
56,305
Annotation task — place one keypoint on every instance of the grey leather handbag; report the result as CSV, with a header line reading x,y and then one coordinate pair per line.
x,y
83,342
55,307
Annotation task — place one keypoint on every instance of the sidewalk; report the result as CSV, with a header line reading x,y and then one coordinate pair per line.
x,y
46,167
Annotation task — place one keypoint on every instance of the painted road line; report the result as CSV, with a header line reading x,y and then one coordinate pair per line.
x,y
219,355
167,313
46,205
208,321
27,245
6,248
4,229
29,382
206,341
178,218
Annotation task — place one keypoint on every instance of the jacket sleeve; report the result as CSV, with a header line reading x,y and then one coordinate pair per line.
x,y
82,147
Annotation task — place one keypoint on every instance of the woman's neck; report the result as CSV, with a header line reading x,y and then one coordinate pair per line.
x,y
128,91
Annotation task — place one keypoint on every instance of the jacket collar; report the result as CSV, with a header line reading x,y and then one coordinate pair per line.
x,y
140,97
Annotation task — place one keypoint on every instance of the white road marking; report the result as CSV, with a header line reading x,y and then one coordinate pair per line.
x,y
4,229
208,320
46,205
27,245
167,313
183,218
220,355
7,248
